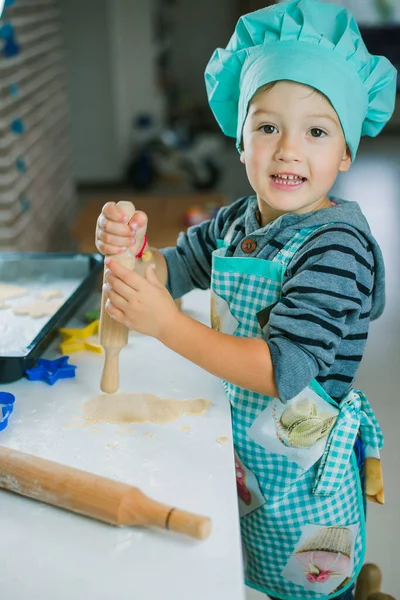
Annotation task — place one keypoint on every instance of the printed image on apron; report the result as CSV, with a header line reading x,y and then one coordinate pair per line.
x,y
249,493
323,558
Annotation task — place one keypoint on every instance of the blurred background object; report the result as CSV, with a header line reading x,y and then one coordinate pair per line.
x,y
183,151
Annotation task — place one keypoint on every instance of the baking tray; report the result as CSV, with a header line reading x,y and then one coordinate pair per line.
x,y
24,339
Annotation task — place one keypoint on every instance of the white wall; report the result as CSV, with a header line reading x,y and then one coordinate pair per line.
x,y
89,75
201,27
111,78
366,12
134,77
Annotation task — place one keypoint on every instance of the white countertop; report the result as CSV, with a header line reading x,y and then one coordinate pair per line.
x,y
51,554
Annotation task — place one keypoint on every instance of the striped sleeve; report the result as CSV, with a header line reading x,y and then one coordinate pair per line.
x,y
189,262
323,312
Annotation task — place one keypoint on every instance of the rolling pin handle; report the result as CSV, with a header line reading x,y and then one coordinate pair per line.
x,y
195,526
113,336
109,383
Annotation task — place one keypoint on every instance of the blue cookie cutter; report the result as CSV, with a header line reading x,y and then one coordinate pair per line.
x,y
6,407
51,370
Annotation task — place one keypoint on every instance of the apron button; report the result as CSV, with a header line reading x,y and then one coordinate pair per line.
x,y
248,246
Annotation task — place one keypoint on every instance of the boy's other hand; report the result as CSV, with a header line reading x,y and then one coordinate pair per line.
x,y
140,303
115,234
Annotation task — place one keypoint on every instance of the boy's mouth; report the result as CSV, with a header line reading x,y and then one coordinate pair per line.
x,y
289,179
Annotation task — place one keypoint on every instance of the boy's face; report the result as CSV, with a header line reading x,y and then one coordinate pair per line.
x,y
291,130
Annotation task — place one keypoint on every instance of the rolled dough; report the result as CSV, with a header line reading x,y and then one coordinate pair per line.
x,y
8,291
39,308
49,294
140,408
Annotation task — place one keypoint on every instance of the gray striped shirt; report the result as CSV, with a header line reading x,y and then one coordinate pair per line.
x,y
332,288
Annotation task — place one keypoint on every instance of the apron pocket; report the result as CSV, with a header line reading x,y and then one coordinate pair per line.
x,y
221,317
250,496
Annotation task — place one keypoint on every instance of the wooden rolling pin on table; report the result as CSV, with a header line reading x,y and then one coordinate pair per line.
x,y
93,496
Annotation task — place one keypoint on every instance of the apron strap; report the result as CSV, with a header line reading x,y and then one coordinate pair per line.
x,y
355,415
285,254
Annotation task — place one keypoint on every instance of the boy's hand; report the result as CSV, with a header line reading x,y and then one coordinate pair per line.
x,y
140,303
114,234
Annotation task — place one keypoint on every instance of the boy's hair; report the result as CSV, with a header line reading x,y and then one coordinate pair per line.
x,y
268,87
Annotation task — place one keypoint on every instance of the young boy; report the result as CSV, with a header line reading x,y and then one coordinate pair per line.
x,y
295,278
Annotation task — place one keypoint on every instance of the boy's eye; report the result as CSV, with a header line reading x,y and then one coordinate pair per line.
x,y
317,133
268,128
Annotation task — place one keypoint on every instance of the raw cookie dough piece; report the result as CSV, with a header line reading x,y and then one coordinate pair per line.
x,y
49,294
140,408
39,308
186,428
8,291
223,440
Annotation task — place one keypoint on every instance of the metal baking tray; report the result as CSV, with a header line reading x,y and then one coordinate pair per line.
x,y
24,339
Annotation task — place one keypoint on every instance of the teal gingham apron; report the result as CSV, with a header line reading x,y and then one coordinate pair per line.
x,y
301,523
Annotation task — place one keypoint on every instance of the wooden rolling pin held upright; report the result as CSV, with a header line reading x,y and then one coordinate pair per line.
x,y
113,336
93,496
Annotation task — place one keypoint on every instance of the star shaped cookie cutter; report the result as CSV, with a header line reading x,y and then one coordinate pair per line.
x,y
6,407
51,370
76,340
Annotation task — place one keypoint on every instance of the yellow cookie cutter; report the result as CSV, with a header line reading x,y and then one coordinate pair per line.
x,y
76,340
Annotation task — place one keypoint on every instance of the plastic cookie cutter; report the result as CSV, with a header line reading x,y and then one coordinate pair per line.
x,y
91,315
75,340
51,370
6,407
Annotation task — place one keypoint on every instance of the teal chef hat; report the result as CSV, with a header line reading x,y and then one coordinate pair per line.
x,y
310,42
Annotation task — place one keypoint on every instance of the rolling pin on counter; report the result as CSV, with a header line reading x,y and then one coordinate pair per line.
x,y
93,496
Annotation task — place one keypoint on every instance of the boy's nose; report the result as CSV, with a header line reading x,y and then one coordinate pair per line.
x,y
288,149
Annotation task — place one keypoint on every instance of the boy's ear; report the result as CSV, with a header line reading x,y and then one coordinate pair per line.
x,y
346,160
242,159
